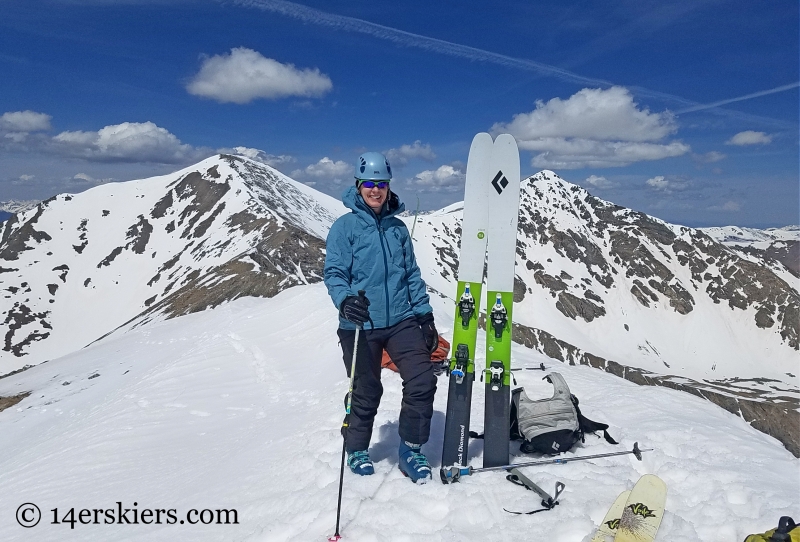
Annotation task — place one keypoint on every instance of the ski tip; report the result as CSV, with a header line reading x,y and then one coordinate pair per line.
x,y
334,538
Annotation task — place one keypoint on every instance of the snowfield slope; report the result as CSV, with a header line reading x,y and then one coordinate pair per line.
x,y
78,266
231,409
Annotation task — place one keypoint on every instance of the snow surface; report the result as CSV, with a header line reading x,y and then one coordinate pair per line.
x,y
239,407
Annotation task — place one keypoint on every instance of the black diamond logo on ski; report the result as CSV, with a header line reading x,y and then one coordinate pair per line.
x,y
499,182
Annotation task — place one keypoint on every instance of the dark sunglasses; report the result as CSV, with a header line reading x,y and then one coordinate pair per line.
x,y
373,184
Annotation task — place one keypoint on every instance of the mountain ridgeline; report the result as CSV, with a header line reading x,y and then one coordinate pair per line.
x,y
596,284
77,267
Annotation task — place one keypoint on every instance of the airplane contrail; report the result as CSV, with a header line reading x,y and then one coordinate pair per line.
x,y
401,37
701,107
409,39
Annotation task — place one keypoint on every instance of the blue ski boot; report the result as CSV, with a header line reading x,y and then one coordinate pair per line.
x,y
360,463
413,464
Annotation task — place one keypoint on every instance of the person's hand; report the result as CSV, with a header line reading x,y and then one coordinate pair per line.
x,y
429,331
354,309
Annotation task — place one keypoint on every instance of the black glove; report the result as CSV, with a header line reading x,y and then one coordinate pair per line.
x,y
354,308
429,332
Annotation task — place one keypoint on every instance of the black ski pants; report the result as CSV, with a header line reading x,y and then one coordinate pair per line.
x,y
406,346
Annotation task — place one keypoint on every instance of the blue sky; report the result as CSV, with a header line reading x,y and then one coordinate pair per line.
x,y
684,110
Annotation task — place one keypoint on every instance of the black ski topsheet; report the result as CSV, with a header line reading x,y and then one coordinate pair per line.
x,y
496,429
456,427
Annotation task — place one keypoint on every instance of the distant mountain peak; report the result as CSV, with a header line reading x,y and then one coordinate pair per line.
x,y
154,248
17,206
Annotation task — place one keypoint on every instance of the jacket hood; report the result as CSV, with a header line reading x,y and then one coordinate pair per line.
x,y
353,200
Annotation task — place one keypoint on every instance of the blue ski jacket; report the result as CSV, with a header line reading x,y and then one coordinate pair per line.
x,y
374,253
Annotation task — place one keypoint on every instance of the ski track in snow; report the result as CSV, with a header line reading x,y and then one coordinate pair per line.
x,y
240,408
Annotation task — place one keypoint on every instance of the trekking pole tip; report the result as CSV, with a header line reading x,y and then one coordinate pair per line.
x,y
453,474
448,476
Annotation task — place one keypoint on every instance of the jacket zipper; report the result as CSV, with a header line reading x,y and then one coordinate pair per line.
x,y
384,248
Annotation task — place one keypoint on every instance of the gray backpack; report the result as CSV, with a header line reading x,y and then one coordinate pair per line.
x,y
550,426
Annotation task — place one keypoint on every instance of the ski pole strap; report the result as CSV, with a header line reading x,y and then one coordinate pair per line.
x,y
548,502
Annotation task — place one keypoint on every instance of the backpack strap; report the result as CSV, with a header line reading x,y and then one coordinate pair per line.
x,y
548,502
515,433
589,426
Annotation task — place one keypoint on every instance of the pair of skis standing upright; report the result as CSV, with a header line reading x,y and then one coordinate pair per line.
x,y
489,232
489,226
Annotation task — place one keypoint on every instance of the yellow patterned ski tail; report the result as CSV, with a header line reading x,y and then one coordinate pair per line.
x,y
644,510
608,527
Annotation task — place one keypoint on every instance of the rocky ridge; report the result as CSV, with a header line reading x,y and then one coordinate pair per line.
x,y
655,303
77,267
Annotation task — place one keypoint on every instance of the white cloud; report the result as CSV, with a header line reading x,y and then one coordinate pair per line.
x,y
660,183
443,179
401,156
599,182
727,207
326,169
16,137
749,137
127,142
245,75
24,121
26,177
709,157
258,155
85,178
608,115
593,128
559,153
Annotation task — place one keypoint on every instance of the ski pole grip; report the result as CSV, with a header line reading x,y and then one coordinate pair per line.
x,y
363,295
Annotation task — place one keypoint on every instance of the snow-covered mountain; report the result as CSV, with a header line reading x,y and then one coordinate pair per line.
x,y
17,206
76,267
652,302
777,248
597,284
11,207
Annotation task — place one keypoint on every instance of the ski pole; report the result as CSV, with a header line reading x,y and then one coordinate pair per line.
x,y
452,474
345,425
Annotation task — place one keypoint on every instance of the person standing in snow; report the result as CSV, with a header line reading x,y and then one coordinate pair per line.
x,y
370,249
